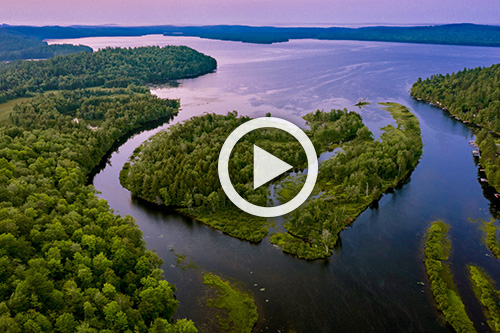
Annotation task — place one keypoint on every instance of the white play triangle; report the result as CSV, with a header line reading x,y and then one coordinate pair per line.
x,y
266,167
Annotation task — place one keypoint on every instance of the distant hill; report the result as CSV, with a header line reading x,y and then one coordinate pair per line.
x,y
14,46
451,34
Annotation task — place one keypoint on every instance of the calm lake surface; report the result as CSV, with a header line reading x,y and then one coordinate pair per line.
x,y
371,281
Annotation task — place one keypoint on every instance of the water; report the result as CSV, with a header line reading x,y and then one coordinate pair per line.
x,y
370,283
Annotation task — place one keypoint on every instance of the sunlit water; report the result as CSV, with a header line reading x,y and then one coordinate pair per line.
x,y
371,281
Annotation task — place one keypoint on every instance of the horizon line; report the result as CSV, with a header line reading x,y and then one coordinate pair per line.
x,y
273,25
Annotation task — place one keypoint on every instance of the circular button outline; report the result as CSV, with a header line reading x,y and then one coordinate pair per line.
x,y
252,125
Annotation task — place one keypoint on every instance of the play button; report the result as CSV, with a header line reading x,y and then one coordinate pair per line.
x,y
266,167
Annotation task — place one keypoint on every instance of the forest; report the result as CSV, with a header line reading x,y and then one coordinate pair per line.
x,y
472,95
67,262
15,46
109,67
451,34
178,168
489,159
358,175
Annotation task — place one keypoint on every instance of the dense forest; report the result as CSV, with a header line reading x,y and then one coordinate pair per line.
x,y
452,34
472,95
109,67
67,263
489,159
360,172
178,168
14,46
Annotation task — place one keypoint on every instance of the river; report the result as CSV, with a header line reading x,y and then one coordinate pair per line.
x,y
371,282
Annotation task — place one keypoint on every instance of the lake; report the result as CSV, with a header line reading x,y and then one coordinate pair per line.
x,y
371,282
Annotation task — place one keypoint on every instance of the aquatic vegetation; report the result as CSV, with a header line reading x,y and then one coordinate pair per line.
x,y
448,301
491,229
238,311
484,289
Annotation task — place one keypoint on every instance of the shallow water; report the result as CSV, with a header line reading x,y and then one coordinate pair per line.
x,y
370,283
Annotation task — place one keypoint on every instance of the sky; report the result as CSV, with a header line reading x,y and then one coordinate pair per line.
x,y
251,12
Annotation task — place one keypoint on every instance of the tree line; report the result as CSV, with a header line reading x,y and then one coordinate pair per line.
x,y
67,263
15,46
471,94
489,159
109,67
450,34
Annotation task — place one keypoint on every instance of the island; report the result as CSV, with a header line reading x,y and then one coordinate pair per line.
x,y
483,286
178,168
446,296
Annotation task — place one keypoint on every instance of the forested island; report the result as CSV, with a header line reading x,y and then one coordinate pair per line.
x,y
347,184
14,46
178,168
472,96
67,262
450,34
